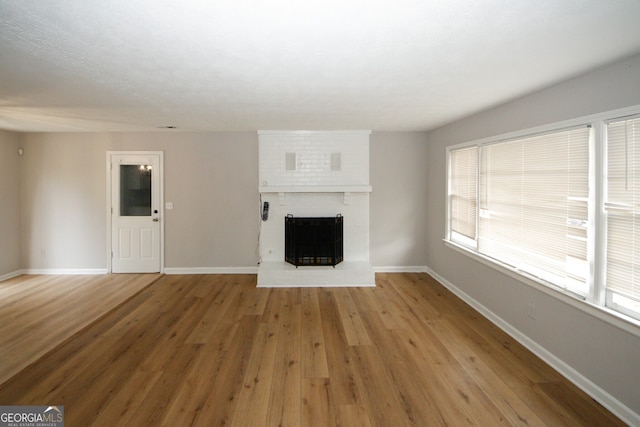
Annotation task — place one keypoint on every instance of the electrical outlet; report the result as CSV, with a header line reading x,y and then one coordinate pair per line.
x,y
531,310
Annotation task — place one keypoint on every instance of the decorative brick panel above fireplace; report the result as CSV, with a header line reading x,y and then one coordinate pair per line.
x,y
315,174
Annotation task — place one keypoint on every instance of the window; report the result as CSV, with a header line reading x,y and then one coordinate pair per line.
x,y
532,195
528,204
464,169
622,210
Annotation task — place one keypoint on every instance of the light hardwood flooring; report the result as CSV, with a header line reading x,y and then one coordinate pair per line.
x,y
214,350
37,313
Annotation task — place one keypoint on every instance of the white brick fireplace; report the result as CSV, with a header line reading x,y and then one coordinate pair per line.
x,y
315,174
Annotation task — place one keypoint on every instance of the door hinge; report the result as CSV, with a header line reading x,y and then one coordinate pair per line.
x,y
111,254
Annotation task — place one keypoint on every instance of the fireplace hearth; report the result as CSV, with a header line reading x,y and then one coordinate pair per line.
x,y
314,241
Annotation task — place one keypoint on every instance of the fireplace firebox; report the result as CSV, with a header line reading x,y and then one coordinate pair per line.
x,y
313,241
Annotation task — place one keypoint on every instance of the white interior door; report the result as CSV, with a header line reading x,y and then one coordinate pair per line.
x,y
135,212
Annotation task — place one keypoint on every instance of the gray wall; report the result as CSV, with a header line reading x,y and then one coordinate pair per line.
x,y
63,205
211,178
604,354
398,203
9,203
212,181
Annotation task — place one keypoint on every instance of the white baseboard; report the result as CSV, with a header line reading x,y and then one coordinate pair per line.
x,y
198,270
211,270
619,409
63,271
400,269
11,275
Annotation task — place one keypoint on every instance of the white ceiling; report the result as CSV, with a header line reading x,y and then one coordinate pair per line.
x,y
120,65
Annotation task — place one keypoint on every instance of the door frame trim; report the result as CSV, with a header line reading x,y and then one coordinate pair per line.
x,y
109,170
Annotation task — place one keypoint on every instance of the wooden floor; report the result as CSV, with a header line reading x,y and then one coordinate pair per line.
x,y
37,313
215,350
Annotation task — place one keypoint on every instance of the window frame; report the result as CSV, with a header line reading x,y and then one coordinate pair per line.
x,y
598,301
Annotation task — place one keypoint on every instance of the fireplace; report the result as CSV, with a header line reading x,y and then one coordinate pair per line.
x,y
313,240
308,177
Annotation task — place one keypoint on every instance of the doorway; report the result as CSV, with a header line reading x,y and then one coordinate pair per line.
x,y
135,210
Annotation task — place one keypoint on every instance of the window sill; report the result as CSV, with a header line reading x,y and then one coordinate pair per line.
x,y
605,314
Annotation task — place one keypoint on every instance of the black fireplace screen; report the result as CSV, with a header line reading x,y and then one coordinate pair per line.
x,y
313,241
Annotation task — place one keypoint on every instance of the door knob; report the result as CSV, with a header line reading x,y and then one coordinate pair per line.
x,y
155,220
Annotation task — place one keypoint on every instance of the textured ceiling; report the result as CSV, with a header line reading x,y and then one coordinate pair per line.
x,y
95,65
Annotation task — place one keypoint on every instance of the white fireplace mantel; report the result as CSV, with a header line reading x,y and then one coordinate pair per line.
x,y
345,190
316,189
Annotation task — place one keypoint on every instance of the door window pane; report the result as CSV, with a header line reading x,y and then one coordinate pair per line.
x,y
135,190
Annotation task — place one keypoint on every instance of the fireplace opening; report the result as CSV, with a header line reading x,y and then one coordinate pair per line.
x,y
313,241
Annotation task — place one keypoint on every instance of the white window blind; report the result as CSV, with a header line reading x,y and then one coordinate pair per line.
x,y
534,205
463,193
622,207
532,211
